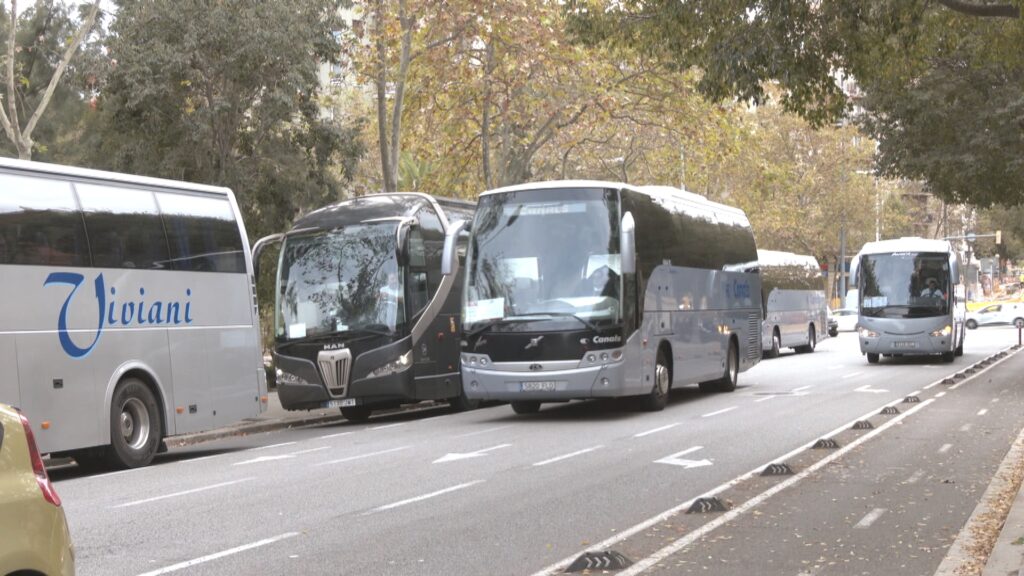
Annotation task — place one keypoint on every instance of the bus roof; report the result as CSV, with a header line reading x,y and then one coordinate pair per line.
x,y
26,167
650,190
778,258
907,244
376,206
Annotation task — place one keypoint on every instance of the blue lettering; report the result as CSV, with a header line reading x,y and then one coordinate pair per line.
x,y
75,280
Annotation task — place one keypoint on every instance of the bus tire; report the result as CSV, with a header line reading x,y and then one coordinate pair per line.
x,y
948,357
727,383
136,426
657,398
960,347
525,406
773,352
356,413
972,324
812,341
872,358
462,404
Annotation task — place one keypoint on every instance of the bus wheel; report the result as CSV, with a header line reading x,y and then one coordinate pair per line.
x,y
657,398
525,406
948,357
812,341
872,358
960,347
356,413
727,383
462,404
135,425
972,324
776,345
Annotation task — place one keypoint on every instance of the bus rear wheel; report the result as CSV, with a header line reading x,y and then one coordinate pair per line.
x,y
727,383
525,406
136,426
773,352
812,341
356,413
657,398
872,358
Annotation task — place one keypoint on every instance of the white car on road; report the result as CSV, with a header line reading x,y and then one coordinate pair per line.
x,y
846,319
1003,313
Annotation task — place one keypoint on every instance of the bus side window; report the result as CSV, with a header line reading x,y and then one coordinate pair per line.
x,y
416,280
40,223
202,233
124,227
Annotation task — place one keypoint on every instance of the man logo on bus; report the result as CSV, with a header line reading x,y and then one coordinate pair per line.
x,y
131,313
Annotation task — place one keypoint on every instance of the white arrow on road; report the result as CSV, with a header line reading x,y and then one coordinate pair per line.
x,y
869,389
675,460
453,456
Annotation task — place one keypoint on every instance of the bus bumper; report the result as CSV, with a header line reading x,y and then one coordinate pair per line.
x,y
603,381
912,344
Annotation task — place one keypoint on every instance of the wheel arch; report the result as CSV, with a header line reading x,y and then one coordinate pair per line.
x,y
148,376
666,346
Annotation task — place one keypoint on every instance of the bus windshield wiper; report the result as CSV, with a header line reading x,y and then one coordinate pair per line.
x,y
378,329
583,321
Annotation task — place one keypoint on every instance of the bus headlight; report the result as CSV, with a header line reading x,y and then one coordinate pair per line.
x,y
287,378
865,333
401,364
946,331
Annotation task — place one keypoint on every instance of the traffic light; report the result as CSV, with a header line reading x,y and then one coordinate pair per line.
x,y
999,236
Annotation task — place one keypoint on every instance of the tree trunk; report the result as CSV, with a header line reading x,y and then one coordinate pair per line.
x,y
387,171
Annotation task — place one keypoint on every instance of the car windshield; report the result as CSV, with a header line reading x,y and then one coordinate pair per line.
x,y
343,280
545,255
905,285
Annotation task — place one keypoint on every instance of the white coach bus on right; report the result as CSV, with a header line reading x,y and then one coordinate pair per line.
x,y
911,299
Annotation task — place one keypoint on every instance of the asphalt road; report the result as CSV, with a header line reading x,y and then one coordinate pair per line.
x,y
489,492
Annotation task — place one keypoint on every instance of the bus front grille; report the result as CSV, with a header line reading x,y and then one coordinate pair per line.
x,y
335,366
753,337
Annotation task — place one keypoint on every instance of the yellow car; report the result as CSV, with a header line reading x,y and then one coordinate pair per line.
x,y
34,535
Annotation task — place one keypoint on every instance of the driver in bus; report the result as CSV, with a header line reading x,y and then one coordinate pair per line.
x,y
602,282
931,289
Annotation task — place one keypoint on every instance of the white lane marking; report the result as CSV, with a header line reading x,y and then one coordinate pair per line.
x,y
966,427
850,375
729,516
361,456
867,388
994,400
310,450
932,385
338,435
655,430
229,552
485,431
675,460
983,411
915,477
263,459
802,388
269,446
765,399
567,456
945,448
870,518
423,497
386,426
454,456
717,412
182,493
940,394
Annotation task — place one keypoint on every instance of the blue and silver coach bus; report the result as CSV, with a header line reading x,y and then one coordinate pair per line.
x,y
795,308
911,299
127,310
365,318
583,289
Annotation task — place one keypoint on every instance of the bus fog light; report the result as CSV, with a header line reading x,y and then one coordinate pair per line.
x,y
616,355
604,357
289,378
605,382
483,361
474,384
400,364
591,358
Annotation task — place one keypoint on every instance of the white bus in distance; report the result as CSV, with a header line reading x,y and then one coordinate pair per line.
x,y
586,289
127,310
795,308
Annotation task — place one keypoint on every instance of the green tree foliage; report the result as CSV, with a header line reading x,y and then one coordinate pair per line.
x,y
940,81
226,93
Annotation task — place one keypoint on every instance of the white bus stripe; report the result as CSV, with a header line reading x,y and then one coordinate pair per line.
x,y
229,552
182,493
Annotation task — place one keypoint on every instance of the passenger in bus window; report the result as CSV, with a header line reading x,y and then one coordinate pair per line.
x,y
931,289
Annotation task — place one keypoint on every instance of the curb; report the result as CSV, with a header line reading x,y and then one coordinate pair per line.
x,y
246,429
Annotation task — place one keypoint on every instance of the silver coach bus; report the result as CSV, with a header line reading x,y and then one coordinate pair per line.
x,y
911,299
127,310
795,309
365,317
585,289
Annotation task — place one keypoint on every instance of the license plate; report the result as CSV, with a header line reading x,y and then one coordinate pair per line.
x,y
541,386
343,403
904,344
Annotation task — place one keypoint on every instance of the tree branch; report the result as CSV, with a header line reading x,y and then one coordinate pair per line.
x,y
10,119
982,10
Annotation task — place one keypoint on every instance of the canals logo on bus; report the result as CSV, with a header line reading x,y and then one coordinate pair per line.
x,y
134,313
607,339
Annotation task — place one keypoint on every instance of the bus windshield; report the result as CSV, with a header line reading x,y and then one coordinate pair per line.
x,y
344,280
905,285
533,259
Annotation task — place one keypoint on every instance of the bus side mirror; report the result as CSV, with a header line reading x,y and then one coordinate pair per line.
x,y
450,256
627,244
258,249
